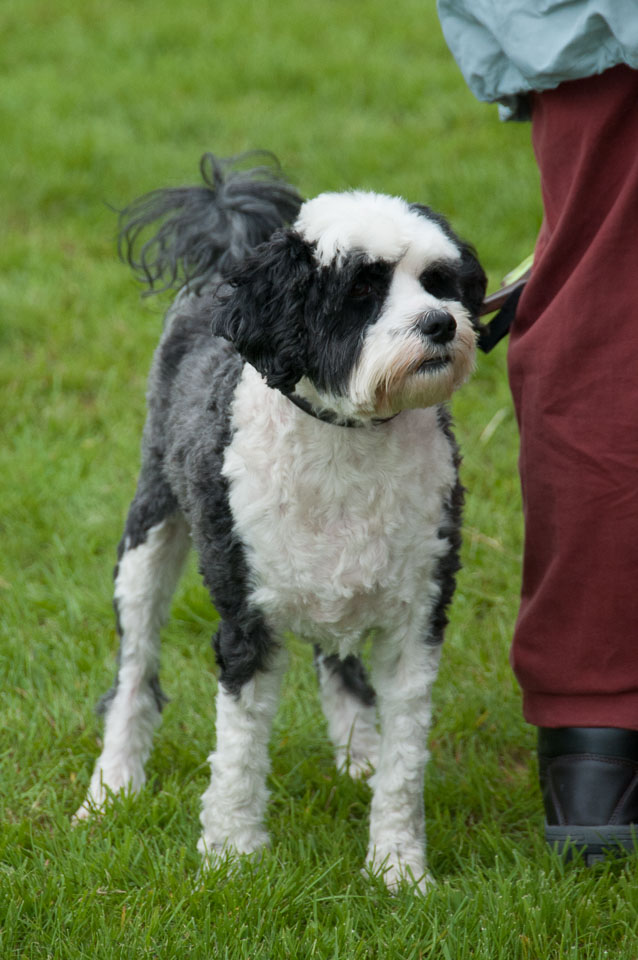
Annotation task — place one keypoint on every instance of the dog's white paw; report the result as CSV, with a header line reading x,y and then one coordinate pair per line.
x,y
104,786
216,850
397,871
94,805
88,809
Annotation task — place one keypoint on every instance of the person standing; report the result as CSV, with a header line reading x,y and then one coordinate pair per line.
x,y
573,367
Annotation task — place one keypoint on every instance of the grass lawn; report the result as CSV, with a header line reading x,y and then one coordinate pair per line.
x,y
99,102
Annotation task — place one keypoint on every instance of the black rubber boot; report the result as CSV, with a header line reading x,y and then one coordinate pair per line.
x,y
589,780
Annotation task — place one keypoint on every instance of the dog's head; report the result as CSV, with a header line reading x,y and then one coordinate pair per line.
x,y
366,306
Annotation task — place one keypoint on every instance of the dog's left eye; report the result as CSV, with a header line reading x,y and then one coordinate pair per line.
x,y
441,283
361,289
370,281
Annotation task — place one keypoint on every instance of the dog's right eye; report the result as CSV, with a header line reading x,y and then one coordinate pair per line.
x,y
441,282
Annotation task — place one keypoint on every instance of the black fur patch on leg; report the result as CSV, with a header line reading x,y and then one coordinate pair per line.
x,y
353,676
158,693
153,503
241,652
450,530
105,701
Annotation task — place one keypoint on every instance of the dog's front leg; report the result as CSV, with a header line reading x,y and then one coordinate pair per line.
x,y
403,672
234,804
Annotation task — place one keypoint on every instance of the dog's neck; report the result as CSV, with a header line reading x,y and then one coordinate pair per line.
x,y
327,416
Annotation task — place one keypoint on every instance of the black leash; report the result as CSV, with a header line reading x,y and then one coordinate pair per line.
x,y
505,301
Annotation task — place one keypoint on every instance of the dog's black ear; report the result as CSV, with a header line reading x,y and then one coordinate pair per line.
x,y
473,282
261,308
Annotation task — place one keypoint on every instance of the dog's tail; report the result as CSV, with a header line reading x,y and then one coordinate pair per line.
x,y
205,229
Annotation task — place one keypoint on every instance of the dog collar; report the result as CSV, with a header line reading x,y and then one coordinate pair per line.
x,y
326,416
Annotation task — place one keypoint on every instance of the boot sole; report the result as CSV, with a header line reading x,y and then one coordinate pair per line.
x,y
593,843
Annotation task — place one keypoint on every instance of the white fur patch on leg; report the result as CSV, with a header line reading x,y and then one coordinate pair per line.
x,y
352,725
403,677
146,578
234,805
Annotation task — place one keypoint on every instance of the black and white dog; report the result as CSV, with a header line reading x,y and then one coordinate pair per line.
x,y
296,433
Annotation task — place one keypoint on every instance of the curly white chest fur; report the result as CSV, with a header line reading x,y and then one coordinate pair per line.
x,y
340,526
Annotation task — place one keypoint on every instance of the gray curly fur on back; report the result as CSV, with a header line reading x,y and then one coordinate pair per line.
x,y
204,232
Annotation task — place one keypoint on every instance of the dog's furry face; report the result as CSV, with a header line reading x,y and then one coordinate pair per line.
x,y
365,307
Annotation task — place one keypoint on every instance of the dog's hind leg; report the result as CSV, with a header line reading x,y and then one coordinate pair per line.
x,y
349,705
404,673
151,558
234,805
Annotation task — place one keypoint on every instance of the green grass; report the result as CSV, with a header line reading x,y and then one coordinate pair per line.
x,y
100,101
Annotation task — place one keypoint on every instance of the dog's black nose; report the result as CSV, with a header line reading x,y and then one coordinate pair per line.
x,y
438,325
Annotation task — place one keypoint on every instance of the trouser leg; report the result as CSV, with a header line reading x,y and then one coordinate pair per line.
x,y
573,361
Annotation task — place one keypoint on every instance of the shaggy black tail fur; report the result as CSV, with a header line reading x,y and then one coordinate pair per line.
x,y
205,229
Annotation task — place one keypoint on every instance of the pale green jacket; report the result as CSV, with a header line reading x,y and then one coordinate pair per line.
x,y
507,48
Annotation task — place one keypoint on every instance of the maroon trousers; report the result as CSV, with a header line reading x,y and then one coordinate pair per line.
x,y
573,363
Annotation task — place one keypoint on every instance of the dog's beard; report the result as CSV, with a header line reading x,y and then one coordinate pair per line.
x,y
400,371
